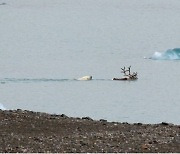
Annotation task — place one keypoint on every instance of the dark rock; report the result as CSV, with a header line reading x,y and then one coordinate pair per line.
x,y
126,123
164,123
139,124
102,120
64,116
83,143
19,110
87,118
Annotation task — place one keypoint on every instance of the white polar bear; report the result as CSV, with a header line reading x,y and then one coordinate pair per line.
x,y
85,78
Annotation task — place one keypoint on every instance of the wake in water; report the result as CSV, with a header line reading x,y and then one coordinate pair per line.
x,y
25,80
171,54
16,80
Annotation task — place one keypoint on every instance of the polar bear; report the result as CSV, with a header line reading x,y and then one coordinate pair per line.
x,y
85,78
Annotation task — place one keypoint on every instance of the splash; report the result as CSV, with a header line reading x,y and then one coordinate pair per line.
x,y
2,107
171,54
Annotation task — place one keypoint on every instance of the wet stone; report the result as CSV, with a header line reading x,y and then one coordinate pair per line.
x,y
102,120
164,123
64,116
87,118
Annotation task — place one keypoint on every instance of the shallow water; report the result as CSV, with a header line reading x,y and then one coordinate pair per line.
x,y
46,45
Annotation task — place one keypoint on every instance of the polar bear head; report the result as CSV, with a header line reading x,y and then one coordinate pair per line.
x,y
85,78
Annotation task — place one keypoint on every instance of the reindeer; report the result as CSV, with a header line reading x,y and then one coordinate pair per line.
x,y
128,76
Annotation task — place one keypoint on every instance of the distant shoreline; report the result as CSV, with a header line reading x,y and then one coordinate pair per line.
x,y
28,131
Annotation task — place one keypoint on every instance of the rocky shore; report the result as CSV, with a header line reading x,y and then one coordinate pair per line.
x,y
27,131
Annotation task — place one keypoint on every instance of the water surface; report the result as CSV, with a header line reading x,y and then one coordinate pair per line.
x,y
45,45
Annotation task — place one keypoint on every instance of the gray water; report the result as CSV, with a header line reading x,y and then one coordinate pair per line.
x,y
46,44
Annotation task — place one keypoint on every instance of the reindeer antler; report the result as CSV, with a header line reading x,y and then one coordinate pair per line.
x,y
124,71
129,70
132,76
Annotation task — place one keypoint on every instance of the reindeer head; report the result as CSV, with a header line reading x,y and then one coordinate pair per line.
x,y
131,76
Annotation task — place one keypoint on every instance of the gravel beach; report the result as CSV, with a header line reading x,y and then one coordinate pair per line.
x,y
26,131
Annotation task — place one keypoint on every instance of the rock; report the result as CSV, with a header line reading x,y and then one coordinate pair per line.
x,y
102,120
87,118
164,123
64,116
